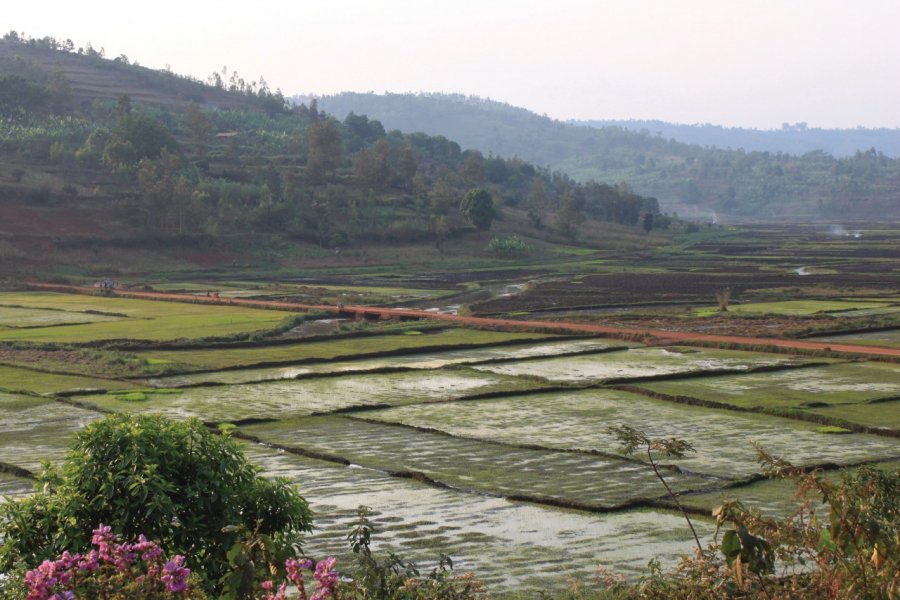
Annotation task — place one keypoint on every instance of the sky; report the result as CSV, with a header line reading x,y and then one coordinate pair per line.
x,y
747,63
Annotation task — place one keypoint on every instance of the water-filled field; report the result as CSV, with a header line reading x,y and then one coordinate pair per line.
x,y
418,360
489,446
509,545
637,362
283,399
859,392
474,465
35,429
578,420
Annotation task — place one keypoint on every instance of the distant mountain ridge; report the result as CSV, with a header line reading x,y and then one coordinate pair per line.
x,y
797,138
694,180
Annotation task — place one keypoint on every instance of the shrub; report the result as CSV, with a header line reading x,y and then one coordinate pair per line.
x,y
175,482
507,247
113,570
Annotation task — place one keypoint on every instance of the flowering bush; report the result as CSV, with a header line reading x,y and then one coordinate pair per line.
x,y
173,481
113,570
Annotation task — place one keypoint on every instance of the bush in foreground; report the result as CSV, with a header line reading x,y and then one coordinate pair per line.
x,y
175,482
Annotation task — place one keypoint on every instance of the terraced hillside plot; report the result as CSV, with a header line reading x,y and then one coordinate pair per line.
x,y
844,390
147,320
16,379
578,420
287,398
508,545
637,362
426,360
341,348
14,317
35,429
478,466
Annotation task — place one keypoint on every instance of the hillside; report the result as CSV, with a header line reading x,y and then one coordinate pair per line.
x,y
105,162
687,178
796,139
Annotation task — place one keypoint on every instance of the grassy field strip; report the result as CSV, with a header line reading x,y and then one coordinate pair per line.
x,y
578,420
539,475
509,545
148,320
35,429
20,318
423,360
637,362
801,307
39,382
888,337
816,390
291,398
338,349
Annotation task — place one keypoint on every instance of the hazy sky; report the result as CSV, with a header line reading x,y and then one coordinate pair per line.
x,y
756,63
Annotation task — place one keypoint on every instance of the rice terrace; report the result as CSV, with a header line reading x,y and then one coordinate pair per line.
x,y
433,346
512,471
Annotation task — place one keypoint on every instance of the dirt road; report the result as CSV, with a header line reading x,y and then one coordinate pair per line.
x,y
405,313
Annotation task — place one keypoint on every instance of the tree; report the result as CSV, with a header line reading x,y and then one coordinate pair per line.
x,y
478,207
647,221
174,482
323,141
571,213
198,125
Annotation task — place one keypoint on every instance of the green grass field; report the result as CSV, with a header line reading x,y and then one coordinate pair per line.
x,y
26,380
147,320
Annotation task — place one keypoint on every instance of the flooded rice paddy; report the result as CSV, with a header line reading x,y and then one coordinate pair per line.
x,y
496,455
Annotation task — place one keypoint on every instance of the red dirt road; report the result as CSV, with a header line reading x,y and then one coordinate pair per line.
x,y
388,313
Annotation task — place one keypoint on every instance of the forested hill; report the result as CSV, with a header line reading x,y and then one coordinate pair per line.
x,y
117,153
797,138
687,178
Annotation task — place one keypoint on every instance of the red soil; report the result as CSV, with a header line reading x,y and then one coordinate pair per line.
x,y
388,313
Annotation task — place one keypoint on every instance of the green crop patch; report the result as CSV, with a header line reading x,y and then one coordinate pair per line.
x,y
847,392
889,338
15,317
26,380
638,362
287,398
578,420
802,307
510,545
345,348
422,361
147,320
35,429
475,465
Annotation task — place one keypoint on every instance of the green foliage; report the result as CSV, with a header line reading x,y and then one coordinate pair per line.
x,y
478,207
175,482
633,440
507,247
392,578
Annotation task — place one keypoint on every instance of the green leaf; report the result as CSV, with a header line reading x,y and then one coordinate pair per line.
x,y
731,546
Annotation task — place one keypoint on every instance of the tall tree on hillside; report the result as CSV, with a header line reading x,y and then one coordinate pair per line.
x,y
199,127
323,142
571,213
478,207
